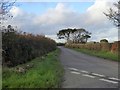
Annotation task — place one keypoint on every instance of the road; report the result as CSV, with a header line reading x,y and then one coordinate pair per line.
x,y
85,71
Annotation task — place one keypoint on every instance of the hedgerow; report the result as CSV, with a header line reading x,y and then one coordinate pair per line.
x,y
103,46
19,48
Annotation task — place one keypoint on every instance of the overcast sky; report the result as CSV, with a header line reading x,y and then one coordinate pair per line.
x,y
49,17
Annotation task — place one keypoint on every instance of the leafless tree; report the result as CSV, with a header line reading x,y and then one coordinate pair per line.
x,y
5,6
114,15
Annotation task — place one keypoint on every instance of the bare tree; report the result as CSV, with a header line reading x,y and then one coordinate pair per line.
x,y
5,6
114,15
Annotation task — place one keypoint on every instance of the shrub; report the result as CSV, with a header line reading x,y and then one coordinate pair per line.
x,y
105,46
115,47
104,40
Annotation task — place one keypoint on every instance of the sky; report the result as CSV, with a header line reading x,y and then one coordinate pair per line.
x,y
40,8
49,17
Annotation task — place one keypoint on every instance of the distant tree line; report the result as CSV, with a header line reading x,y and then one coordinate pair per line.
x,y
74,35
18,48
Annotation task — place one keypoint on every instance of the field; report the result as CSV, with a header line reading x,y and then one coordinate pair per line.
x,y
45,72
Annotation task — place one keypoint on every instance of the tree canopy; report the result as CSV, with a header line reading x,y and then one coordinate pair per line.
x,y
104,40
74,35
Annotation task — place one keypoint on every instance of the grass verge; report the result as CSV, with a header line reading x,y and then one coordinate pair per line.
x,y
46,72
102,54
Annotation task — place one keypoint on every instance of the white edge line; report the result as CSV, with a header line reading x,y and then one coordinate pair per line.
x,y
75,72
108,81
88,76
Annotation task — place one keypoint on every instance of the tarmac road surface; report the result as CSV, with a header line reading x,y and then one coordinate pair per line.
x,y
85,71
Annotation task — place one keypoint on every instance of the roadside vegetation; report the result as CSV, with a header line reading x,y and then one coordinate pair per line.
x,y
41,72
21,47
29,61
102,49
102,54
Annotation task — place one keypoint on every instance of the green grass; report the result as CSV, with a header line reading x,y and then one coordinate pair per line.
x,y
102,54
45,73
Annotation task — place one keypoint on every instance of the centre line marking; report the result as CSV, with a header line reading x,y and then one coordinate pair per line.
x,y
73,69
88,76
114,78
100,75
75,72
108,81
83,71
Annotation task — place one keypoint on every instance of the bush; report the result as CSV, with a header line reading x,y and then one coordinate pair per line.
x,y
116,47
104,40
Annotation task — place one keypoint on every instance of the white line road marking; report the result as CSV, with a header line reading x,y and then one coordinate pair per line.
x,y
108,81
75,72
100,75
114,78
73,69
83,71
88,76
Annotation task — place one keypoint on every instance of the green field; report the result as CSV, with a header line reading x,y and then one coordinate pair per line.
x,y
102,54
46,72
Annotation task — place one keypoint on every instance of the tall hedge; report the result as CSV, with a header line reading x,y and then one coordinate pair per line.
x,y
19,48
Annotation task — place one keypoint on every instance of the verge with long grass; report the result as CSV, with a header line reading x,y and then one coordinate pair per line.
x,y
42,72
101,54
